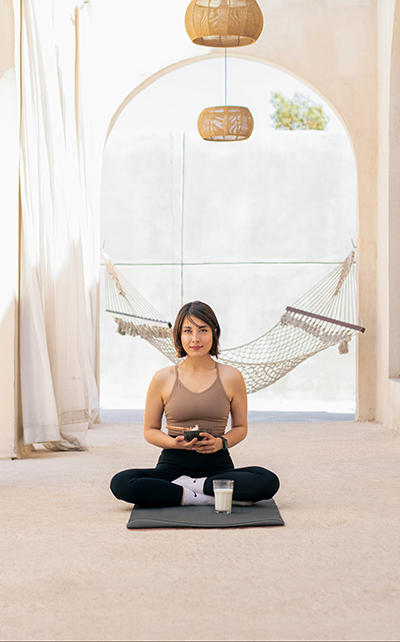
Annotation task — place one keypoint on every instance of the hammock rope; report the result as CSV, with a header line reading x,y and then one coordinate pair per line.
x,y
325,316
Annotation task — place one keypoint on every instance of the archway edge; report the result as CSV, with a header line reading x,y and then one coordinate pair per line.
x,y
334,47
194,59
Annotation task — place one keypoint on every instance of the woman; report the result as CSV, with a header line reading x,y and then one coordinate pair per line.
x,y
201,392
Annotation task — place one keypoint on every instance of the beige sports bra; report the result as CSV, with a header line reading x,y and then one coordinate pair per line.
x,y
208,409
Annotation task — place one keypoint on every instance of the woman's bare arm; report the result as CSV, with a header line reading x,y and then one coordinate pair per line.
x,y
238,430
153,414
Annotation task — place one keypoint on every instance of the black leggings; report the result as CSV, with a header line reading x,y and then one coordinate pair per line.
x,y
152,487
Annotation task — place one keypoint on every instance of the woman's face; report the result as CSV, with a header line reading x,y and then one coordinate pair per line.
x,y
196,337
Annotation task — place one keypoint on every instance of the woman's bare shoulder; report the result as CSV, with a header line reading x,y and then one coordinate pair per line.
x,y
161,384
230,374
164,375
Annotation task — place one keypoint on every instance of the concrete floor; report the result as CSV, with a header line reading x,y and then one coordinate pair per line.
x,y
70,569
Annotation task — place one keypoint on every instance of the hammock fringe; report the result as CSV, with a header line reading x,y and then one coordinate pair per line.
x,y
325,316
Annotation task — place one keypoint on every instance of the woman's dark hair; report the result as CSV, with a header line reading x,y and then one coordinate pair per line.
x,y
200,311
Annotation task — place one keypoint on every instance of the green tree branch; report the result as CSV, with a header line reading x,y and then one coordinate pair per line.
x,y
299,112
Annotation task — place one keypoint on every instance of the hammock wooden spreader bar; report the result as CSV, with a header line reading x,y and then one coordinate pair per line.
x,y
123,300
325,316
318,316
126,314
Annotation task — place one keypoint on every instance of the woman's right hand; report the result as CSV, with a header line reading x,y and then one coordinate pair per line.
x,y
182,444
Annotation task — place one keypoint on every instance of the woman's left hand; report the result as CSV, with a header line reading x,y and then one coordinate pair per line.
x,y
208,445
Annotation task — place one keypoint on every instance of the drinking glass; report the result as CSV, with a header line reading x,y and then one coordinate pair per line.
x,y
223,491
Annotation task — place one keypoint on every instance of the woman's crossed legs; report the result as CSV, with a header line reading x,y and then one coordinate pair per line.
x,y
153,487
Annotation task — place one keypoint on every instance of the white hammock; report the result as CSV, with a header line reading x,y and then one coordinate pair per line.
x,y
326,316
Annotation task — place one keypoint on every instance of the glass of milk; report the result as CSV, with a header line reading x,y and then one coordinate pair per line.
x,y
223,491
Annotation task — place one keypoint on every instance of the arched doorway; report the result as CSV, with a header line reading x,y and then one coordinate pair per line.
x,y
247,227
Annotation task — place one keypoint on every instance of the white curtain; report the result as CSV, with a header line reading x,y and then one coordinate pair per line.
x,y
60,241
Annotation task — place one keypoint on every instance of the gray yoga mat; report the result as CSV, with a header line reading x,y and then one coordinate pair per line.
x,y
263,513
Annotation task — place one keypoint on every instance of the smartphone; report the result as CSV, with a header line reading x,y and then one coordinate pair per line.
x,y
191,434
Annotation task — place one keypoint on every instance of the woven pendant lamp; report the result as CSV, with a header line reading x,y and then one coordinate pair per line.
x,y
223,23
225,123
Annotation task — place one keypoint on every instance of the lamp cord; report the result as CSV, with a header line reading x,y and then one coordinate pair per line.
x,y
226,81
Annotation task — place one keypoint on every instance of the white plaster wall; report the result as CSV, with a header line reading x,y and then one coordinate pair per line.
x,y
9,102
263,221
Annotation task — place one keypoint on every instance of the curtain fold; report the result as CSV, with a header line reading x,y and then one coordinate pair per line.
x,y
59,237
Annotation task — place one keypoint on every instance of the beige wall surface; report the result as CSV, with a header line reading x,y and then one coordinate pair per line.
x,y
9,107
388,311
392,414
